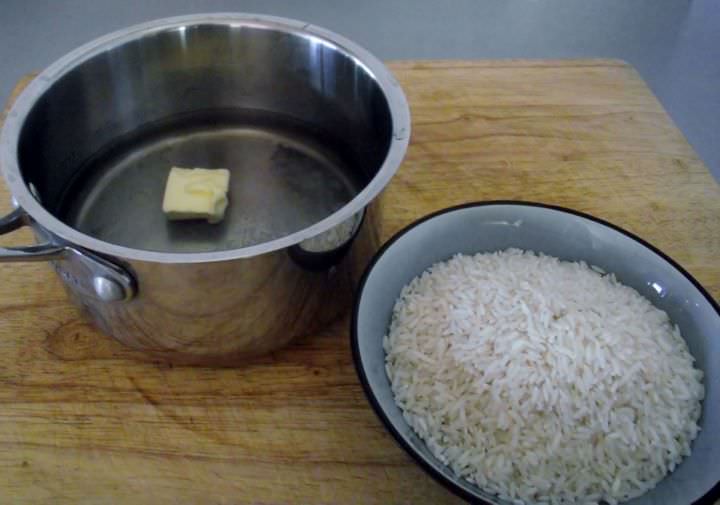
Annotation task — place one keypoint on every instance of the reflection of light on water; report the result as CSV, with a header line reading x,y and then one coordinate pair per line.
x,y
516,224
658,289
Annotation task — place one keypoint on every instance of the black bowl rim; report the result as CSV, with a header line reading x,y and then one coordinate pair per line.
x,y
708,498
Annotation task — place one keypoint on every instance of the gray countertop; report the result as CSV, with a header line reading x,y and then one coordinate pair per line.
x,y
674,44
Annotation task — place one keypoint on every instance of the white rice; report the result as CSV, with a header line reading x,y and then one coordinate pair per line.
x,y
540,380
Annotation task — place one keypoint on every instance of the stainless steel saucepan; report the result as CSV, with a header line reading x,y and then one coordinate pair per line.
x,y
311,126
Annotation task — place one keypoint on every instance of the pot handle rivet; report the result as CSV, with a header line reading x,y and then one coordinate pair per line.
x,y
108,290
85,272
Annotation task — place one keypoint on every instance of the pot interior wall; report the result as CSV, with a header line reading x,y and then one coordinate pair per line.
x,y
301,125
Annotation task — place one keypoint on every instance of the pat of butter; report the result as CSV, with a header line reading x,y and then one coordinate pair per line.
x,y
196,193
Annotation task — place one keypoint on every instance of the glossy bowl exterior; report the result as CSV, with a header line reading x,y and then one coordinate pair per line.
x,y
215,306
569,235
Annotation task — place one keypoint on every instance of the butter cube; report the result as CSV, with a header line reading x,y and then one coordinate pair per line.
x,y
196,193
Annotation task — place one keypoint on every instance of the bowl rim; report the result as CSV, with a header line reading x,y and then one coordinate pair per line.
x,y
709,498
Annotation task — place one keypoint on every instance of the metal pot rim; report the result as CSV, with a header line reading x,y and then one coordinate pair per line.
x,y
399,111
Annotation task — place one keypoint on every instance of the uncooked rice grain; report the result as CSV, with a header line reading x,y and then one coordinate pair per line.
x,y
540,380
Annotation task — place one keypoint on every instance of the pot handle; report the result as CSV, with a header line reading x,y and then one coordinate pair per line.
x,y
86,272
43,252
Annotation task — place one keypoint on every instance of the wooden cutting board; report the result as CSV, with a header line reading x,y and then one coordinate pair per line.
x,y
83,421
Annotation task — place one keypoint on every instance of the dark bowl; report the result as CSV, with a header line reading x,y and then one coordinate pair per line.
x,y
568,235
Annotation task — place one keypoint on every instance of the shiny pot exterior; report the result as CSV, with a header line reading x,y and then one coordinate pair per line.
x,y
223,313
222,294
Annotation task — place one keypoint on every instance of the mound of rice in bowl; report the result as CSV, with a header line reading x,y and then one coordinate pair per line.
x,y
540,380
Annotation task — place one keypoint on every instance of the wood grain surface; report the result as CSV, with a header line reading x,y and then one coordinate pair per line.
x,y
84,421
